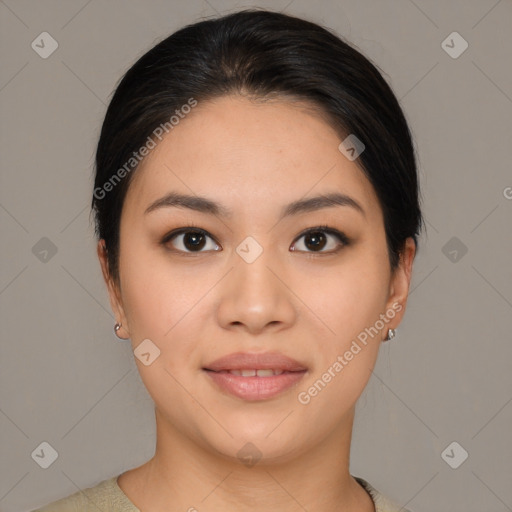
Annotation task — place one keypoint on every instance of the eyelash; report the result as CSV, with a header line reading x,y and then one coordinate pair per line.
x,y
342,238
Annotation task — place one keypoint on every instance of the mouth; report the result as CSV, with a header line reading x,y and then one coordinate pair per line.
x,y
254,376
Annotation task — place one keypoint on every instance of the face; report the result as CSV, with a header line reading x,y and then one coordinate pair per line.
x,y
311,283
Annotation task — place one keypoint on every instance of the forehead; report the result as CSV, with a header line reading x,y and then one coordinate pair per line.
x,y
250,155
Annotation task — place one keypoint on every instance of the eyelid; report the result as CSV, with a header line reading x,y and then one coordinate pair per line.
x,y
169,236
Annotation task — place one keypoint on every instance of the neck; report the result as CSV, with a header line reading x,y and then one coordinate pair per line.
x,y
186,475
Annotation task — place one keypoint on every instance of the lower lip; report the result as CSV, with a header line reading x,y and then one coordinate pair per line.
x,y
255,388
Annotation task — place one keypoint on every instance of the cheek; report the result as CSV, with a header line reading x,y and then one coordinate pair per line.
x,y
349,299
353,298
156,294
161,303
350,306
166,303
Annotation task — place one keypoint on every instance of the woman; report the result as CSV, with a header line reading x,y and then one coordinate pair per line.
x,y
257,212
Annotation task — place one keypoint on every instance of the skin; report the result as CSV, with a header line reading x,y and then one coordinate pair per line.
x,y
252,157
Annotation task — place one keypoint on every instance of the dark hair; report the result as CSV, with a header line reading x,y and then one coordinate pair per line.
x,y
263,54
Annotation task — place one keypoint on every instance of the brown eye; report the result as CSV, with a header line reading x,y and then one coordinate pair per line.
x,y
189,240
316,239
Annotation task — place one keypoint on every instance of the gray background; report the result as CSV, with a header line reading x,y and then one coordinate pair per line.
x,y
66,380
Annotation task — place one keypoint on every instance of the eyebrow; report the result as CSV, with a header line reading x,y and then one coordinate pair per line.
x,y
205,205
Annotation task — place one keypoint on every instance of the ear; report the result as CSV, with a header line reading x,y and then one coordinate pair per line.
x,y
113,291
399,284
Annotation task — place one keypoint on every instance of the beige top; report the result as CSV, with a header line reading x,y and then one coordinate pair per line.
x,y
107,496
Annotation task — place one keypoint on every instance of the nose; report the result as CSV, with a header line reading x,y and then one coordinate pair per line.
x,y
255,297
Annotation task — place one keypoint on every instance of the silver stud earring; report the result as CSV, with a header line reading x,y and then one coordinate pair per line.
x,y
116,328
391,334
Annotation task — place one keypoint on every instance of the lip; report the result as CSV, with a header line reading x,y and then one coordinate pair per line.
x,y
255,388
256,361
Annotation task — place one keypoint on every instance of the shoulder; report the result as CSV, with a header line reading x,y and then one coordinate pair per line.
x,y
106,496
382,503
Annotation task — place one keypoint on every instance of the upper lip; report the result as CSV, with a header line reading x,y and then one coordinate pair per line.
x,y
261,361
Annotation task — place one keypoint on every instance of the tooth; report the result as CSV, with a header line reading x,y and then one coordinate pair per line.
x,y
264,373
254,373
